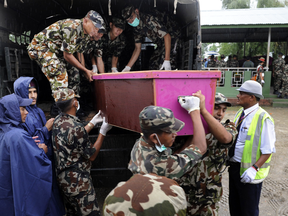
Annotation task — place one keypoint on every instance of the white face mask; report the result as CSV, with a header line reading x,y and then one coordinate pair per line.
x,y
78,107
162,147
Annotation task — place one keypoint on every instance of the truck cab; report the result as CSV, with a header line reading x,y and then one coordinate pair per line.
x,y
20,20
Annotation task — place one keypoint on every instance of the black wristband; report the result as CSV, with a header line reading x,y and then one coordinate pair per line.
x,y
256,167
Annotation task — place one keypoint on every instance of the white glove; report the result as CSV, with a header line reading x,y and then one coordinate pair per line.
x,y
97,118
249,175
166,65
114,70
126,69
262,81
105,127
190,103
94,68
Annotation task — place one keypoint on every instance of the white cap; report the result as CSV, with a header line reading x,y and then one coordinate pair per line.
x,y
252,87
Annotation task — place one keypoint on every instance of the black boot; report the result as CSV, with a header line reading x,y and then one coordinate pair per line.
x,y
279,95
54,110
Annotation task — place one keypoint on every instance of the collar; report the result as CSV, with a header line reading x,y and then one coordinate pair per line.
x,y
250,109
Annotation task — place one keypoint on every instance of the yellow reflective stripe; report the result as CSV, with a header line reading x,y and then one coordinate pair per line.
x,y
256,139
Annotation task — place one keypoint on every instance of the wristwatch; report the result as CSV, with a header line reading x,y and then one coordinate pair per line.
x,y
256,167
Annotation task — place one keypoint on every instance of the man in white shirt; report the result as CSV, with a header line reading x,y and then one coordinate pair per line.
x,y
251,153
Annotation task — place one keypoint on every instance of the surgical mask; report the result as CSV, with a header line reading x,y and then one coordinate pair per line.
x,y
162,147
78,107
135,23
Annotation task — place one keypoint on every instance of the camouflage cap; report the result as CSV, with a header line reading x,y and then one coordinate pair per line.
x,y
143,194
119,23
97,20
221,99
64,94
127,11
153,118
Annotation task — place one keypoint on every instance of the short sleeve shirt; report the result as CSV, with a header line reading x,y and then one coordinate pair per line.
x,y
146,159
71,144
64,35
150,27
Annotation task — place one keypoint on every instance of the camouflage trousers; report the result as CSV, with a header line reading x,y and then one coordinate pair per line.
x,y
55,70
277,80
158,56
284,89
202,210
79,193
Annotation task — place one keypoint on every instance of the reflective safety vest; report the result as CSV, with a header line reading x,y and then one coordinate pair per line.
x,y
251,152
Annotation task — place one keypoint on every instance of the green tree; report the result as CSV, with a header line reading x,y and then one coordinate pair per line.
x,y
235,4
270,3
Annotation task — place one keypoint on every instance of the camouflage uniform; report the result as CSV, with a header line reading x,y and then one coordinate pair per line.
x,y
109,48
259,70
284,89
278,66
155,26
222,63
202,183
234,63
72,150
47,48
212,63
140,196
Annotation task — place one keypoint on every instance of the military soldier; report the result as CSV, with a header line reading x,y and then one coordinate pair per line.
x,y
144,199
53,47
222,62
202,183
278,68
234,62
229,60
161,30
152,153
111,47
74,154
284,90
260,70
212,62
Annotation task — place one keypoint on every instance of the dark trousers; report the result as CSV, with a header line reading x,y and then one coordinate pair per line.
x,y
243,198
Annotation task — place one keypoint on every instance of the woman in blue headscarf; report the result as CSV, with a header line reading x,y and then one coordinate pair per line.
x,y
25,170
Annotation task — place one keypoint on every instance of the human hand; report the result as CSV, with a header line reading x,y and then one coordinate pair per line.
x,y
262,81
190,103
126,69
249,175
166,65
44,147
114,70
94,68
97,118
202,99
89,74
35,138
105,127
49,124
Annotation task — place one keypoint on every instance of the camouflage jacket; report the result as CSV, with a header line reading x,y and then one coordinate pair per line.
x,y
71,145
222,63
64,35
155,26
140,196
234,63
212,64
202,184
146,159
90,47
278,65
109,48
